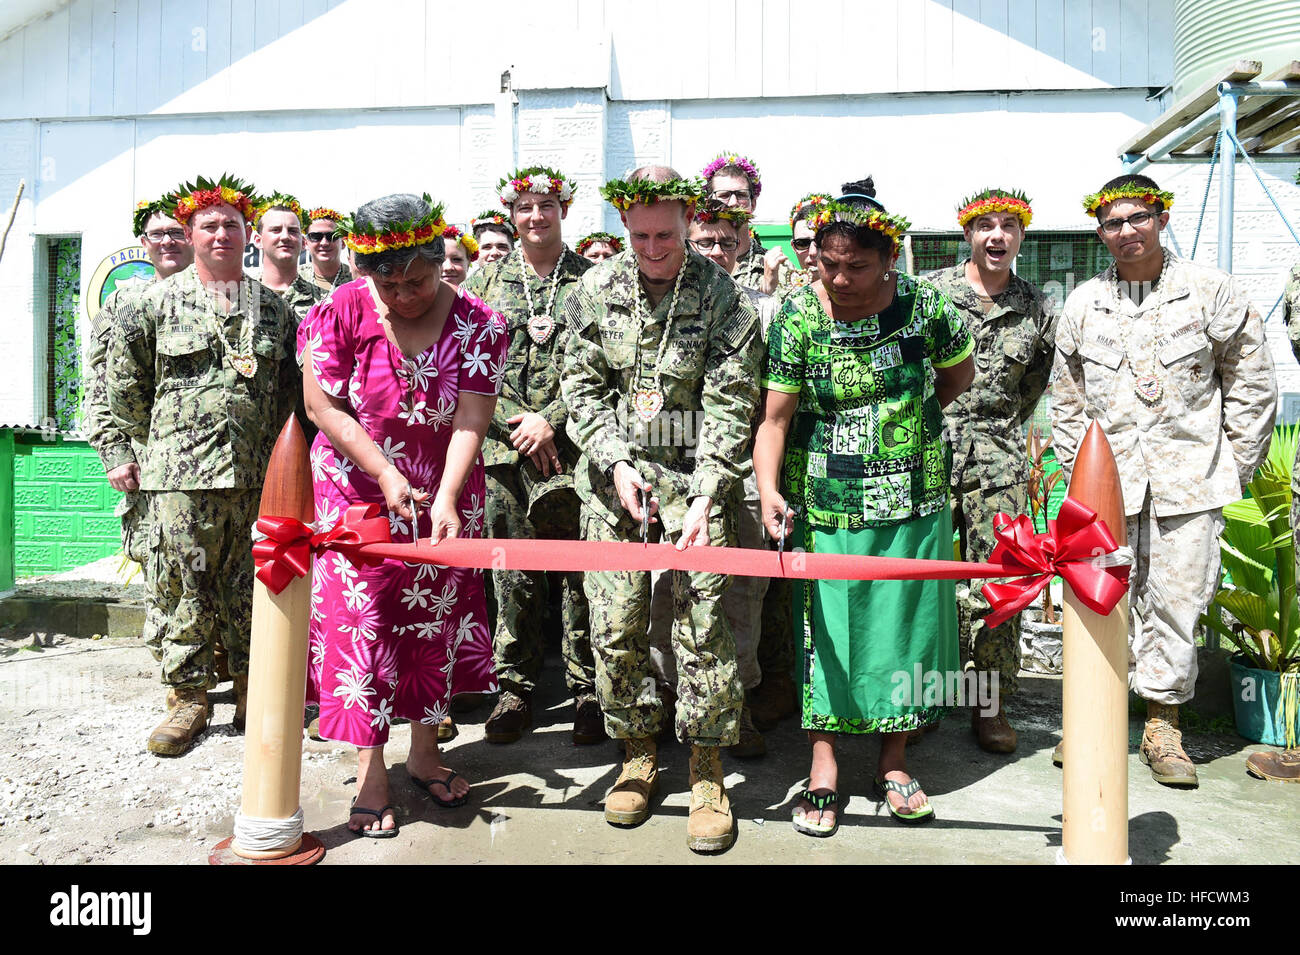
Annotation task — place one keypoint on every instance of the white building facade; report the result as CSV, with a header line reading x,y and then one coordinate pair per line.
x,y
103,102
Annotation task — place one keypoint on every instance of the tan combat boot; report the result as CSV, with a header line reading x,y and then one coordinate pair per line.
x,y
995,734
187,717
628,803
710,826
241,703
1162,747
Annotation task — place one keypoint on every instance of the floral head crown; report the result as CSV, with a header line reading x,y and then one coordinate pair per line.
x,y
1094,201
539,179
740,162
324,212
995,200
189,198
146,210
587,241
467,240
283,201
717,212
891,225
367,240
812,200
624,193
494,217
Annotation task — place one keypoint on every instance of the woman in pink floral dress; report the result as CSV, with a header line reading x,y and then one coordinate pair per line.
x,y
417,364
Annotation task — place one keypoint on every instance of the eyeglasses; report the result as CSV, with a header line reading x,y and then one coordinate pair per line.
x,y
706,245
801,244
740,195
320,236
176,235
1137,220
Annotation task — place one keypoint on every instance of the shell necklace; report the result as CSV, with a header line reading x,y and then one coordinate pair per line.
x,y
648,402
540,325
1148,387
242,357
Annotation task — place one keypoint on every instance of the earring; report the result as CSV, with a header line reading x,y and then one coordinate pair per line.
x,y
884,278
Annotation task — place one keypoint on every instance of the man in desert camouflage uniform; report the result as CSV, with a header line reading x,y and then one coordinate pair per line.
x,y
169,251
661,397
325,267
529,457
203,376
1014,329
1169,358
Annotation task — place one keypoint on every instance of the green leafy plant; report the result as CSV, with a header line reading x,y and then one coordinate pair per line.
x,y
1040,489
1259,556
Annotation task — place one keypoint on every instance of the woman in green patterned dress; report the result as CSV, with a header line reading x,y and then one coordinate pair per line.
x,y
859,366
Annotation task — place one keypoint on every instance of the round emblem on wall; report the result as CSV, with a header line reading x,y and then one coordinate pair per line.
x,y
125,268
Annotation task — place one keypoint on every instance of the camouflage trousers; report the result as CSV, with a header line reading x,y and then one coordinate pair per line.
x,y
742,603
521,596
709,697
201,574
988,649
1175,575
133,510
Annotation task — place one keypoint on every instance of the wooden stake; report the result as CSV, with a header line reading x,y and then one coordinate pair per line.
x,y
1095,690
277,675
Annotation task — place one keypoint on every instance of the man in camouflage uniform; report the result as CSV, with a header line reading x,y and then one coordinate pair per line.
x,y
169,251
530,459
325,267
203,376
278,232
1169,358
1014,329
661,397
734,180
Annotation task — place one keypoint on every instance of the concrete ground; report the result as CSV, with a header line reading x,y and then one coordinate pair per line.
x,y
76,785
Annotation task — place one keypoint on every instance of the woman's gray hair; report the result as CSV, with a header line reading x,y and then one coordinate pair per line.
x,y
385,214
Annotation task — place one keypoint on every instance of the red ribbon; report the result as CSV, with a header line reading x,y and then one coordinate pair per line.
x,y
286,551
1070,548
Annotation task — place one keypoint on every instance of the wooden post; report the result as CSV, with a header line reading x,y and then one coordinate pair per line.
x,y
277,677
1095,691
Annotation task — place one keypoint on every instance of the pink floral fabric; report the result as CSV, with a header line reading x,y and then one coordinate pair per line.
x,y
396,640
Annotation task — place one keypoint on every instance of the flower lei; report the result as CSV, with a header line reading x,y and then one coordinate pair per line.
x,y
285,201
1094,201
623,193
146,210
464,238
740,162
367,240
539,179
493,217
813,199
891,225
716,212
587,241
324,212
189,198
995,200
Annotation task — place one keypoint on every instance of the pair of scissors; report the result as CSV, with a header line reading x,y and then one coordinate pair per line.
x,y
415,513
643,496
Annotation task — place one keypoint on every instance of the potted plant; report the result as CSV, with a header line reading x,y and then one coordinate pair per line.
x,y
1255,609
1040,630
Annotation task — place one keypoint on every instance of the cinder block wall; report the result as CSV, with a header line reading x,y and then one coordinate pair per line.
x,y
63,506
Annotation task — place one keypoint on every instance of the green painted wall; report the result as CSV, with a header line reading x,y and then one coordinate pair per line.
x,y
62,506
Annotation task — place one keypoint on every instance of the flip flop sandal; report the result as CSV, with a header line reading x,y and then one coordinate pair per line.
x,y
905,790
378,814
424,786
821,800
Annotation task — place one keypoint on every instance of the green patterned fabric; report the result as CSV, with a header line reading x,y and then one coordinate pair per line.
x,y
866,448
65,298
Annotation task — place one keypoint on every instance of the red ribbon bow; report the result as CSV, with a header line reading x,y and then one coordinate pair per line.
x,y
1070,548
286,551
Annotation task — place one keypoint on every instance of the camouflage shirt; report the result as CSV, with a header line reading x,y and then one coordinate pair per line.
x,y
1014,347
698,442
308,271
1198,437
1291,310
302,295
102,432
749,270
173,387
532,378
